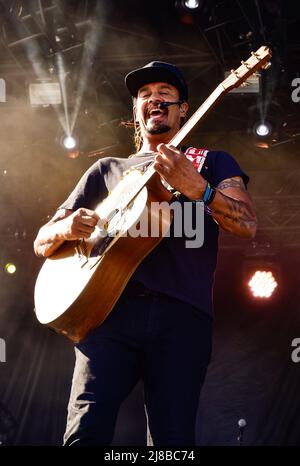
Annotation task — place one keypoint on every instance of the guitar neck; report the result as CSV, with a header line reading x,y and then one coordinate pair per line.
x,y
188,126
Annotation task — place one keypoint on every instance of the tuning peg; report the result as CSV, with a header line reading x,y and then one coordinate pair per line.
x,y
235,73
246,64
267,65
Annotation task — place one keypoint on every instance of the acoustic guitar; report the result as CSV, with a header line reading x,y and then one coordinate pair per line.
x,y
78,286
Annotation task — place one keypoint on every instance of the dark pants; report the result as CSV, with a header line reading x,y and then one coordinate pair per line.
x,y
162,340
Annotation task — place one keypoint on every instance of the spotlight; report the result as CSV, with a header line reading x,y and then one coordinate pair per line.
x,y
261,270
189,10
262,284
191,4
262,129
10,268
265,123
69,142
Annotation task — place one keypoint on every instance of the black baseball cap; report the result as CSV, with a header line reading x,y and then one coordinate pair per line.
x,y
156,71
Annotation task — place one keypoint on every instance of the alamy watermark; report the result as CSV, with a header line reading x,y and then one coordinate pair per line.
x,y
296,92
186,220
295,356
2,350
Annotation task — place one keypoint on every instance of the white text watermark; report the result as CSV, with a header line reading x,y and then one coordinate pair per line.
x,y
179,220
296,92
2,350
296,352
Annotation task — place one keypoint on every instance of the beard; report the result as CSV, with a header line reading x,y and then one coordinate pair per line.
x,y
155,127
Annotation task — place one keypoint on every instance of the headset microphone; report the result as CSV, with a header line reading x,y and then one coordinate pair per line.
x,y
167,104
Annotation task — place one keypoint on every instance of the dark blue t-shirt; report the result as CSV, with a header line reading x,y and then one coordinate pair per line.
x,y
171,268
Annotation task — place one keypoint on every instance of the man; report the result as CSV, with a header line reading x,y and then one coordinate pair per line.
x,y
160,328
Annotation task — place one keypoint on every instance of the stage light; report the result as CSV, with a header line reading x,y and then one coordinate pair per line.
x,y
189,10
44,93
69,142
261,270
191,4
262,284
262,129
265,123
10,268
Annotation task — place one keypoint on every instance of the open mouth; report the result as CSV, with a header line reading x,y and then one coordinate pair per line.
x,y
155,114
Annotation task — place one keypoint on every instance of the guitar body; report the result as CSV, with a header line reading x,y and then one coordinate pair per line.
x,y
80,283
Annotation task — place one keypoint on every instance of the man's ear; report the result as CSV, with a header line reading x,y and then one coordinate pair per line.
x,y
183,109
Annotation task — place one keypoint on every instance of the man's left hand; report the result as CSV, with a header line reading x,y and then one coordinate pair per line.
x,y
179,172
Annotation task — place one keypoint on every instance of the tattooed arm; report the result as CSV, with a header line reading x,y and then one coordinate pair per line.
x,y
232,208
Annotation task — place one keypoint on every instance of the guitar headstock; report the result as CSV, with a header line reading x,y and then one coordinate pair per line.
x,y
257,60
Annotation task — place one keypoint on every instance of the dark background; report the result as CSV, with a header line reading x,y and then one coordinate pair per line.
x,y
251,375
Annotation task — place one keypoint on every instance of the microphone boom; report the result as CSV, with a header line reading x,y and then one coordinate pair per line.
x,y
167,104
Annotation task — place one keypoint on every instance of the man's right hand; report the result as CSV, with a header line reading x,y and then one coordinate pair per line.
x,y
66,225
80,224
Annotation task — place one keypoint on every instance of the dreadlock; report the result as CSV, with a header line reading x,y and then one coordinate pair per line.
x,y
138,139
137,136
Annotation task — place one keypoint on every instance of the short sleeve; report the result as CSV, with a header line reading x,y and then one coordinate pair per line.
x,y
225,166
89,191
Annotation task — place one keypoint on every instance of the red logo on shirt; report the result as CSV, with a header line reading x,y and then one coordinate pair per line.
x,y
196,156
